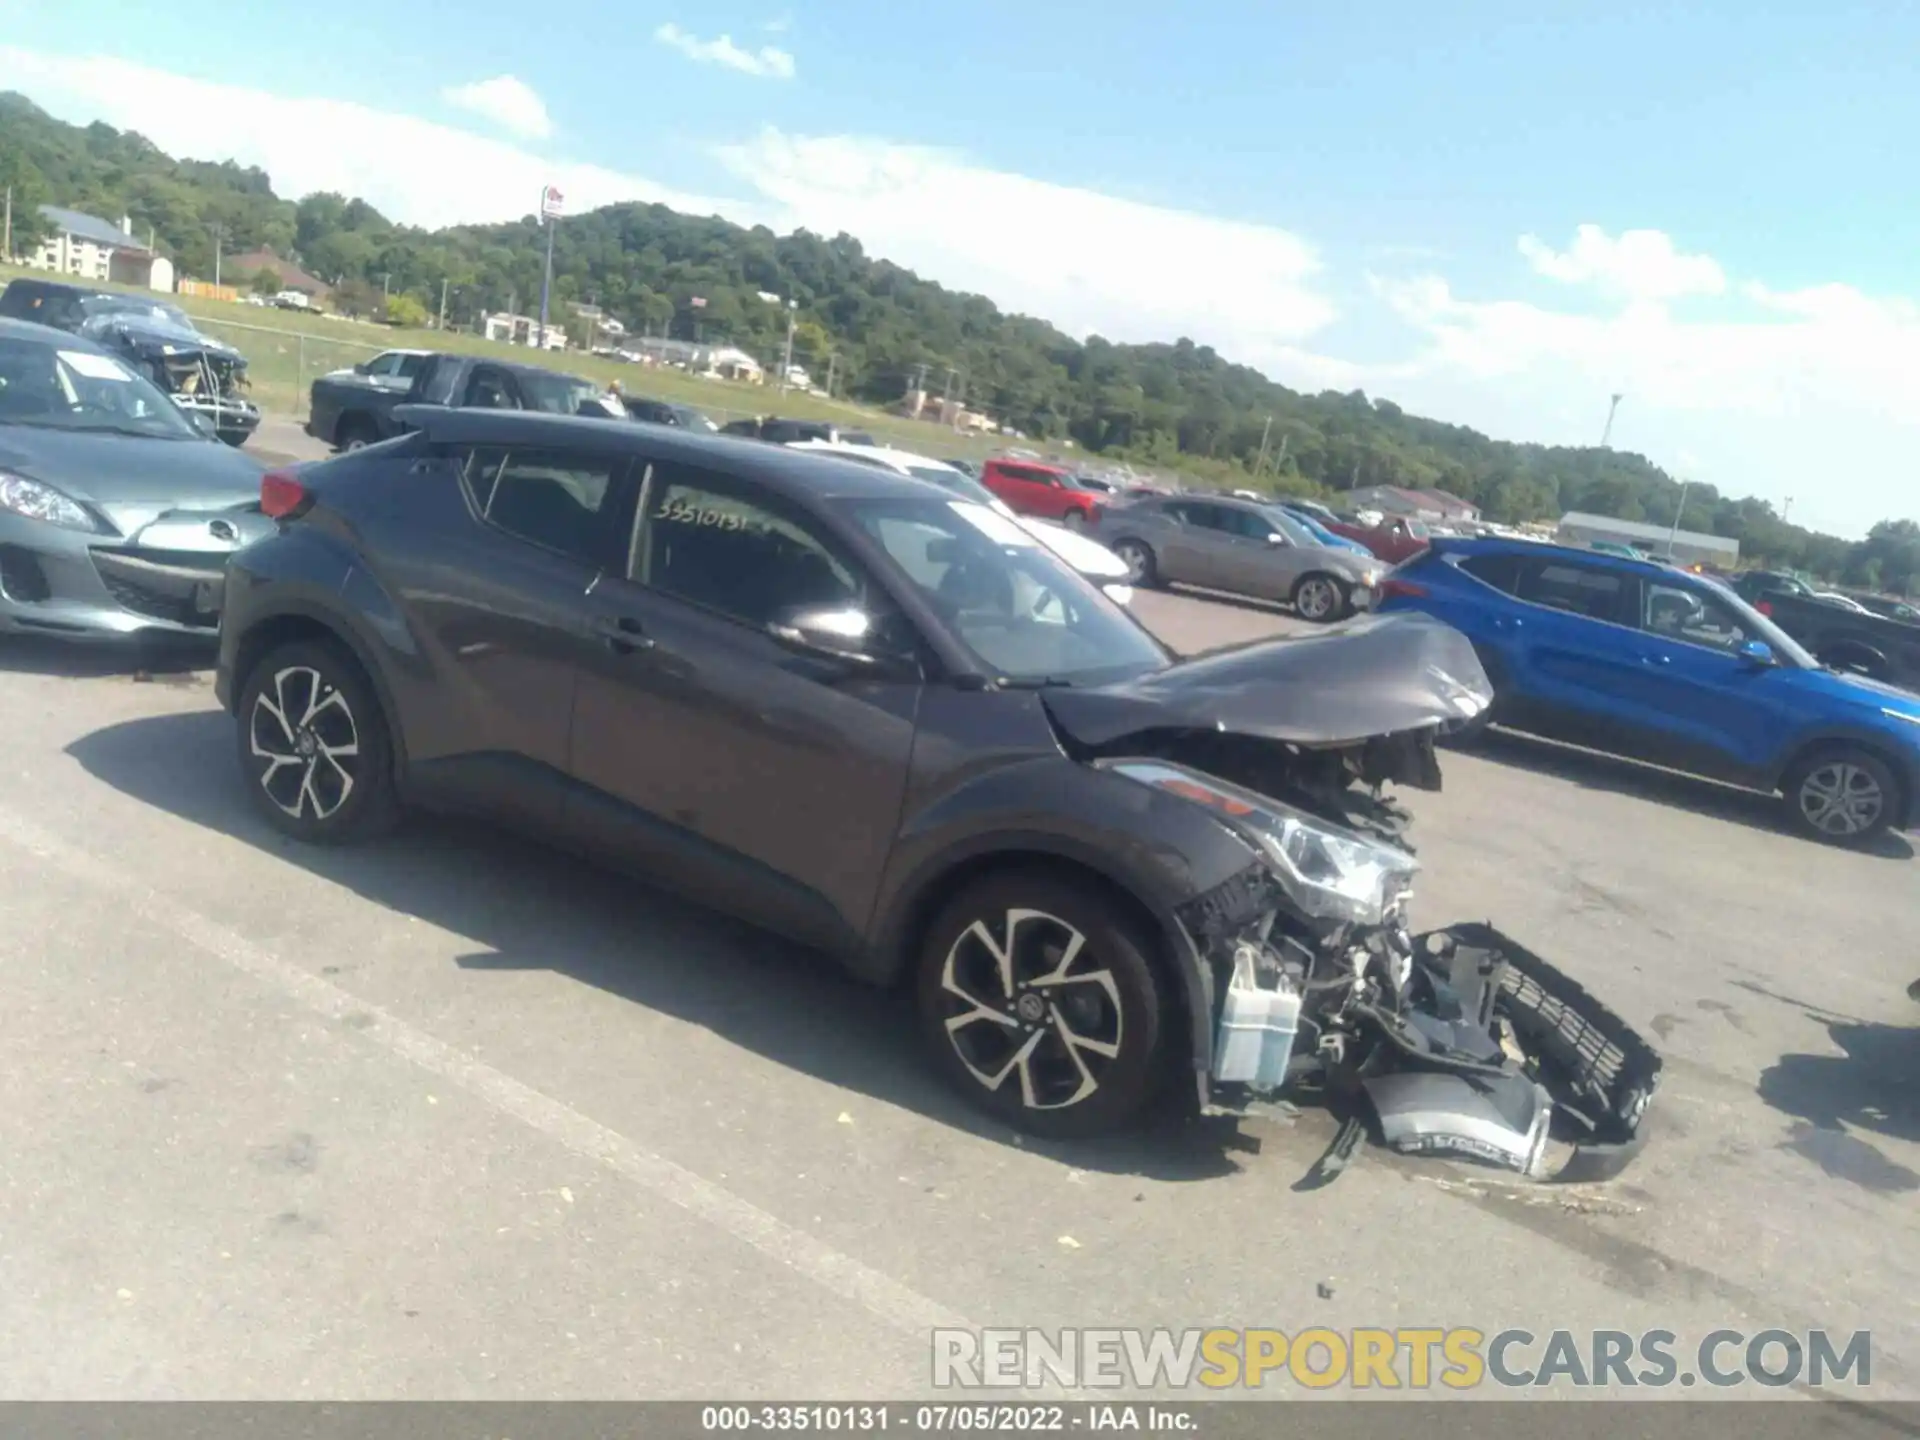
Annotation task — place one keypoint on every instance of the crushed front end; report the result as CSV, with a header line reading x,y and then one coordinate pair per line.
x,y
202,376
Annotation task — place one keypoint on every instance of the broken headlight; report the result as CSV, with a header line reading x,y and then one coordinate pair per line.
x,y
1330,872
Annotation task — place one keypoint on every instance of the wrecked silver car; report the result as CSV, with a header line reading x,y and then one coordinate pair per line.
x,y
205,378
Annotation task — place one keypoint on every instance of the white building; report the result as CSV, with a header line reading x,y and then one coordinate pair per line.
x,y
85,247
522,330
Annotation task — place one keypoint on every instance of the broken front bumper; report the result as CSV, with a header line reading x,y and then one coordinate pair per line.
x,y
234,419
1586,1081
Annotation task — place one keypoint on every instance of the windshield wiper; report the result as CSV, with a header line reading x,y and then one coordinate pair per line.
x,y
1034,682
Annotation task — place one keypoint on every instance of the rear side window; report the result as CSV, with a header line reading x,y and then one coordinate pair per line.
x,y
1502,572
1577,589
558,500
728,549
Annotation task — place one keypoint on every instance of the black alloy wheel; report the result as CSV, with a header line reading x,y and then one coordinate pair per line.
x,y
1038,1002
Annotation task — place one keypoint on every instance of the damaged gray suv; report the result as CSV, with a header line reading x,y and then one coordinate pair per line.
x,y
884,721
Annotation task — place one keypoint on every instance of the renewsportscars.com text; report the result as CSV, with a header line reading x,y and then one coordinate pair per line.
x,y
1460,1358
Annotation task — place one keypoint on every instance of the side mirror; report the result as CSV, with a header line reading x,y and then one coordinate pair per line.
x,y
1274,537
361,368
1756,653
842,633
204,423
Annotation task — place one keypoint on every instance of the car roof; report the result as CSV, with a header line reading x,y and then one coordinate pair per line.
x,y
783,468
48,335
871,452
1504,545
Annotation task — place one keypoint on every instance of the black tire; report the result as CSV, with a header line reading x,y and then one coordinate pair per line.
x,y
1149,564
1321,598
235,438
355,434
294,766
1129,1011
1842,795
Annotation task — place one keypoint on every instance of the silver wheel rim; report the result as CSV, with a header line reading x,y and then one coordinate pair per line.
x,y
1134,557
1316,599
354,444
1839,798
1028,1002
303,732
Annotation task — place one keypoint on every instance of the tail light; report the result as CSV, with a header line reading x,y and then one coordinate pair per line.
x,y
1765,607
1405,589
282,496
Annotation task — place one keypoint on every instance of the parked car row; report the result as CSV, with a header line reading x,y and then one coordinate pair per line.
x,y
204,377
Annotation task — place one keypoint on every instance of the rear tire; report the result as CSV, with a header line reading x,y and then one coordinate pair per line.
x,y
1321,599
1842,796
314,745
1067,1035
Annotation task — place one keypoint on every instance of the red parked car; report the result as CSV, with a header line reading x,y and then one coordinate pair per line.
x,y
1396,540
1045,491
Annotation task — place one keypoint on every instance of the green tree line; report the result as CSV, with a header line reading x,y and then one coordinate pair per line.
x,y
1177,405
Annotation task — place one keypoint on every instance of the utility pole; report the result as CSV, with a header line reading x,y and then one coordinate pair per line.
x,y
6,245
219,240
386,292
1260,463
442,325
1607,433
1678,511
1786,510
786,357
1281,459
833,365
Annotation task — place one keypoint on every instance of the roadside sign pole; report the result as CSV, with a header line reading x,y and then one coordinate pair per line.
x,y
546,284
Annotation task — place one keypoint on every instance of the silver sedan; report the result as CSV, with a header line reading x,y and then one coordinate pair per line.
x,y
1241,546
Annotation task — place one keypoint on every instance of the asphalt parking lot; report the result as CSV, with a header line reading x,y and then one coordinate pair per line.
x,y
453,1117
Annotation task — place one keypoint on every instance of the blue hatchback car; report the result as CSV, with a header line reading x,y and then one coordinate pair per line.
x,y
1639,659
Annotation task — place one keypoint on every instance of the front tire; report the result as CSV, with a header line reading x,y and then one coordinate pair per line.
x,y
1842,796
1142,569
1320,599
314,745
1039,1003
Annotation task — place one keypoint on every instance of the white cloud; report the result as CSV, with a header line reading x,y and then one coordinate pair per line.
x,y
1814,393
411,169
769,62
507,101
1637,264
1084,260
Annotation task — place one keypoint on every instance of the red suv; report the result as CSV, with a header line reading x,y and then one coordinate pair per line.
x,y
1043,490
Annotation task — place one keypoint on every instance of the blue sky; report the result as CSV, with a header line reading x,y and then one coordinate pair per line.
x,y
1342,195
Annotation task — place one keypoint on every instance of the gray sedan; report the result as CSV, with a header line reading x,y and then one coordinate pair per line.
x,y
117,511
1242,546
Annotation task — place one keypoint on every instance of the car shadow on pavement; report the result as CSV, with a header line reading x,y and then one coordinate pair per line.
x,y
527,907
1873,1085
1594,771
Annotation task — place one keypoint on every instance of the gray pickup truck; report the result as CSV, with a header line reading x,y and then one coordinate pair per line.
x,y
351,408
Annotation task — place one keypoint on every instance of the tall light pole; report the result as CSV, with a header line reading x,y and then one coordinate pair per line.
x,y
1786,510
1606,434
1678,511
786,357
550,203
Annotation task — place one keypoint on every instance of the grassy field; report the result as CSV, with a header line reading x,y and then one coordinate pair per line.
x,y
286,351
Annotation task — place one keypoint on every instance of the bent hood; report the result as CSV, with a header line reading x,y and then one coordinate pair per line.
x,y
1379,675
156,337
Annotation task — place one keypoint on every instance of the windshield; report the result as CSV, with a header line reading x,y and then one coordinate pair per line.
x,y
111,305
57,389
1761,628
1300,532
953,480
1023,613
557,394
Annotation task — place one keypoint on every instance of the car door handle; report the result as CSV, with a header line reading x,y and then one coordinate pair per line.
x,y
622,633
1656,659
1506,623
